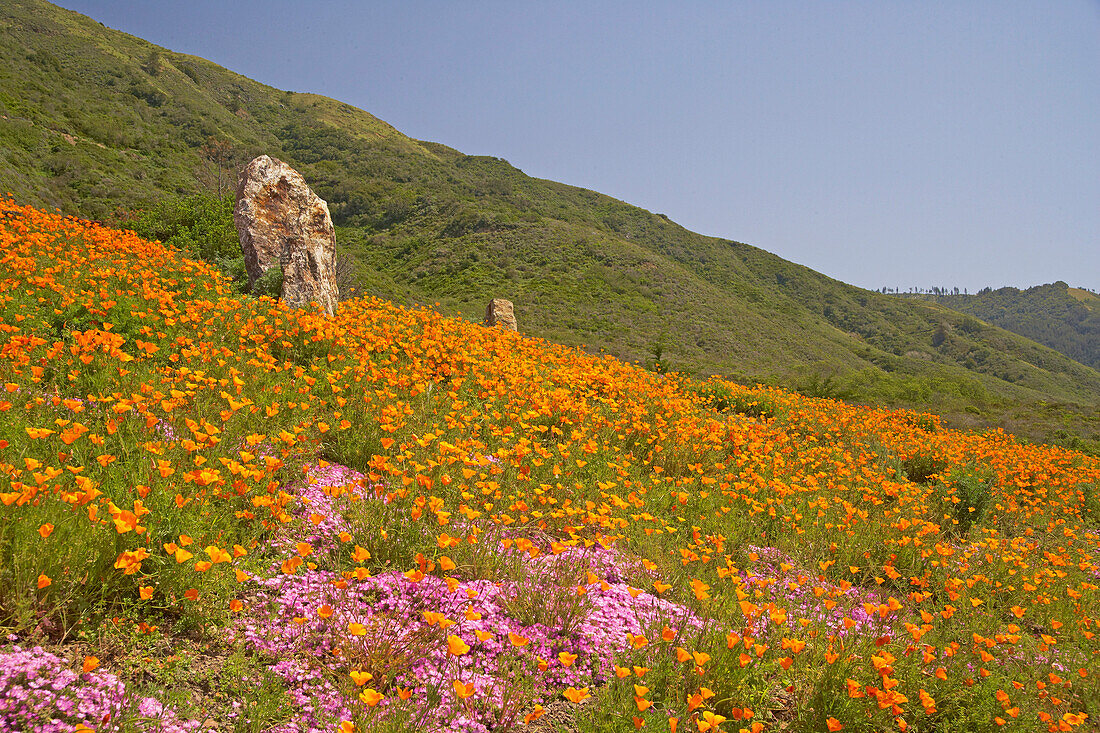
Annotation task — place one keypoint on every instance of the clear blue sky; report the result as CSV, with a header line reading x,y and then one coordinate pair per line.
x,y
882,143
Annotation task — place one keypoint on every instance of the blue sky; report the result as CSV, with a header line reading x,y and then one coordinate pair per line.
x,y
882,143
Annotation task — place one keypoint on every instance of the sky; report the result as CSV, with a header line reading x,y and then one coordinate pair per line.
x,y
898,144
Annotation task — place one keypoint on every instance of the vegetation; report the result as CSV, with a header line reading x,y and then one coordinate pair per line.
x,y
423,223
518,532
1065,319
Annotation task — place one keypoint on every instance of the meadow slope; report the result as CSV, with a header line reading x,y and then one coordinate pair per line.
x,y
104,125
216,509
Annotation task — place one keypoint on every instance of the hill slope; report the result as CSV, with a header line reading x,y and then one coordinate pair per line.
x,y
390,521
99,123
1065,319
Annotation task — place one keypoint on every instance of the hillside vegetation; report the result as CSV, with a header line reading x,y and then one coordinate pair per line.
x,y
216,508
1065,319
102,124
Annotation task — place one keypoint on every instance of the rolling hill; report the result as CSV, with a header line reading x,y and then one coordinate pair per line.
x,y
1065,319
102,125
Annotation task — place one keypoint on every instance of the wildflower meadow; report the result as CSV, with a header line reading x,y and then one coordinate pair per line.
x,y
390,520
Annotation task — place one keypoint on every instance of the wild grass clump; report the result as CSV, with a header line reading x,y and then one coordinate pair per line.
x,y
552,595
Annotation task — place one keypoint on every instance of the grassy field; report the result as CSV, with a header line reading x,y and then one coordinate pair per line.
x,y
217,509
107,126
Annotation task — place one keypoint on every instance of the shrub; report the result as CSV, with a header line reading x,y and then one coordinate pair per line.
x,y
826,386
234,269
656,362
921,467
723,398
923,421
270,283
970,488
200,225
939,336
153,97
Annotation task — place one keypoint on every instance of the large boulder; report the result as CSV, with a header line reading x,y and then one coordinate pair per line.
x,y
500,312
282,222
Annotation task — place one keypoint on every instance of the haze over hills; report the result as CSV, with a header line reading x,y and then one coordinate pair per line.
x,y
99,124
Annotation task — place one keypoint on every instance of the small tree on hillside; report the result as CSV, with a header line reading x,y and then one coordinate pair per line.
x,y
939,335
347,283
218,154
153,63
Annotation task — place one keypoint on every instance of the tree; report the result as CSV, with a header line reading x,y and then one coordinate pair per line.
x,y
218,155
347,283
153,63
939,335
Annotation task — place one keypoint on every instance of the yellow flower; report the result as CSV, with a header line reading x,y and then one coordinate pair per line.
x,y
371,697
463,689
709,721
456,646
574,695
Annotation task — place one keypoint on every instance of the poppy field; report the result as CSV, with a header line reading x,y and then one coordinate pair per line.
x,y
401,521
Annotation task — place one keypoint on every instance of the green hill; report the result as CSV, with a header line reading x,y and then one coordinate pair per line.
x,y
101,124
1065,319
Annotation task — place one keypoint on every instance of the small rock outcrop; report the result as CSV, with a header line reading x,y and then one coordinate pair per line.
x,y
282,222
500,312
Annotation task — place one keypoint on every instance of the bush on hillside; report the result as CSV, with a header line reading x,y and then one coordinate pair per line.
x,y
200,225
721,398
970,489
922,467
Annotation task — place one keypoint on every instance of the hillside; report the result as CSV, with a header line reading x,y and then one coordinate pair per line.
x,y
100,124
217,513
1065,319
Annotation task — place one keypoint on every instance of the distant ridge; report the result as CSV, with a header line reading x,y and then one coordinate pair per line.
x,y
1065,319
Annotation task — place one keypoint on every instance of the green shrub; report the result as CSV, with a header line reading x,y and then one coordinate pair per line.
x,y
939,336
920,468
270,283
972,486
234,269
723,399
656,362
152,96
200,225
923,421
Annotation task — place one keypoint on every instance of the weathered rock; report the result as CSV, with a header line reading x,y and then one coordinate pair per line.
x,y
500,312
281,221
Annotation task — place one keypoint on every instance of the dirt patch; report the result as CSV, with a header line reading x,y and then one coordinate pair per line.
x,y
560,717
